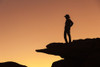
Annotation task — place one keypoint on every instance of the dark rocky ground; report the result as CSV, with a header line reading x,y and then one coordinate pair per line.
x,y
79,53
11,64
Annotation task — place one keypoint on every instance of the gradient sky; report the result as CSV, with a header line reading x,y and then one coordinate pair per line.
x,y
27,25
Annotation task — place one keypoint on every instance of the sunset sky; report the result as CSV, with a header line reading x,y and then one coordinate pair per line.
x,y
27,25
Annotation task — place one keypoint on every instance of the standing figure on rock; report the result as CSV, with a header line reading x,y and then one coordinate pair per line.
x,y
68,25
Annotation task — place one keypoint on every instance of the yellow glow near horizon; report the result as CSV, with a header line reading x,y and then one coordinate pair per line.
x,y
27,25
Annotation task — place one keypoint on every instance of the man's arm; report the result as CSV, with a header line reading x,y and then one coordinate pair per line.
x,y
71,23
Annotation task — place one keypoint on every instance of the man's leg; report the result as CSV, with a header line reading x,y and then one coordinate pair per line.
x,y
69,37
65,37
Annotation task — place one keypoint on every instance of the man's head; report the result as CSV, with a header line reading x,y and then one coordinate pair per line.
x,y
67,16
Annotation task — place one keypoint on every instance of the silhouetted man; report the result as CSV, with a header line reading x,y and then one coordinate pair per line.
x,y
68,25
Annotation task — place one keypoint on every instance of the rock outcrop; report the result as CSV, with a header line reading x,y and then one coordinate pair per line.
x,y
79,53
11,64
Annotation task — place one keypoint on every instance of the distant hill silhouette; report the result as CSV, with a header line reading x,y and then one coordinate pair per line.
x,y
79,53
11,64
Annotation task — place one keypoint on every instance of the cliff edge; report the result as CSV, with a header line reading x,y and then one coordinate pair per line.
x,y
79,53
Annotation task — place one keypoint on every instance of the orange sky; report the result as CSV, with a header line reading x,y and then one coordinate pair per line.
x,y
27,25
